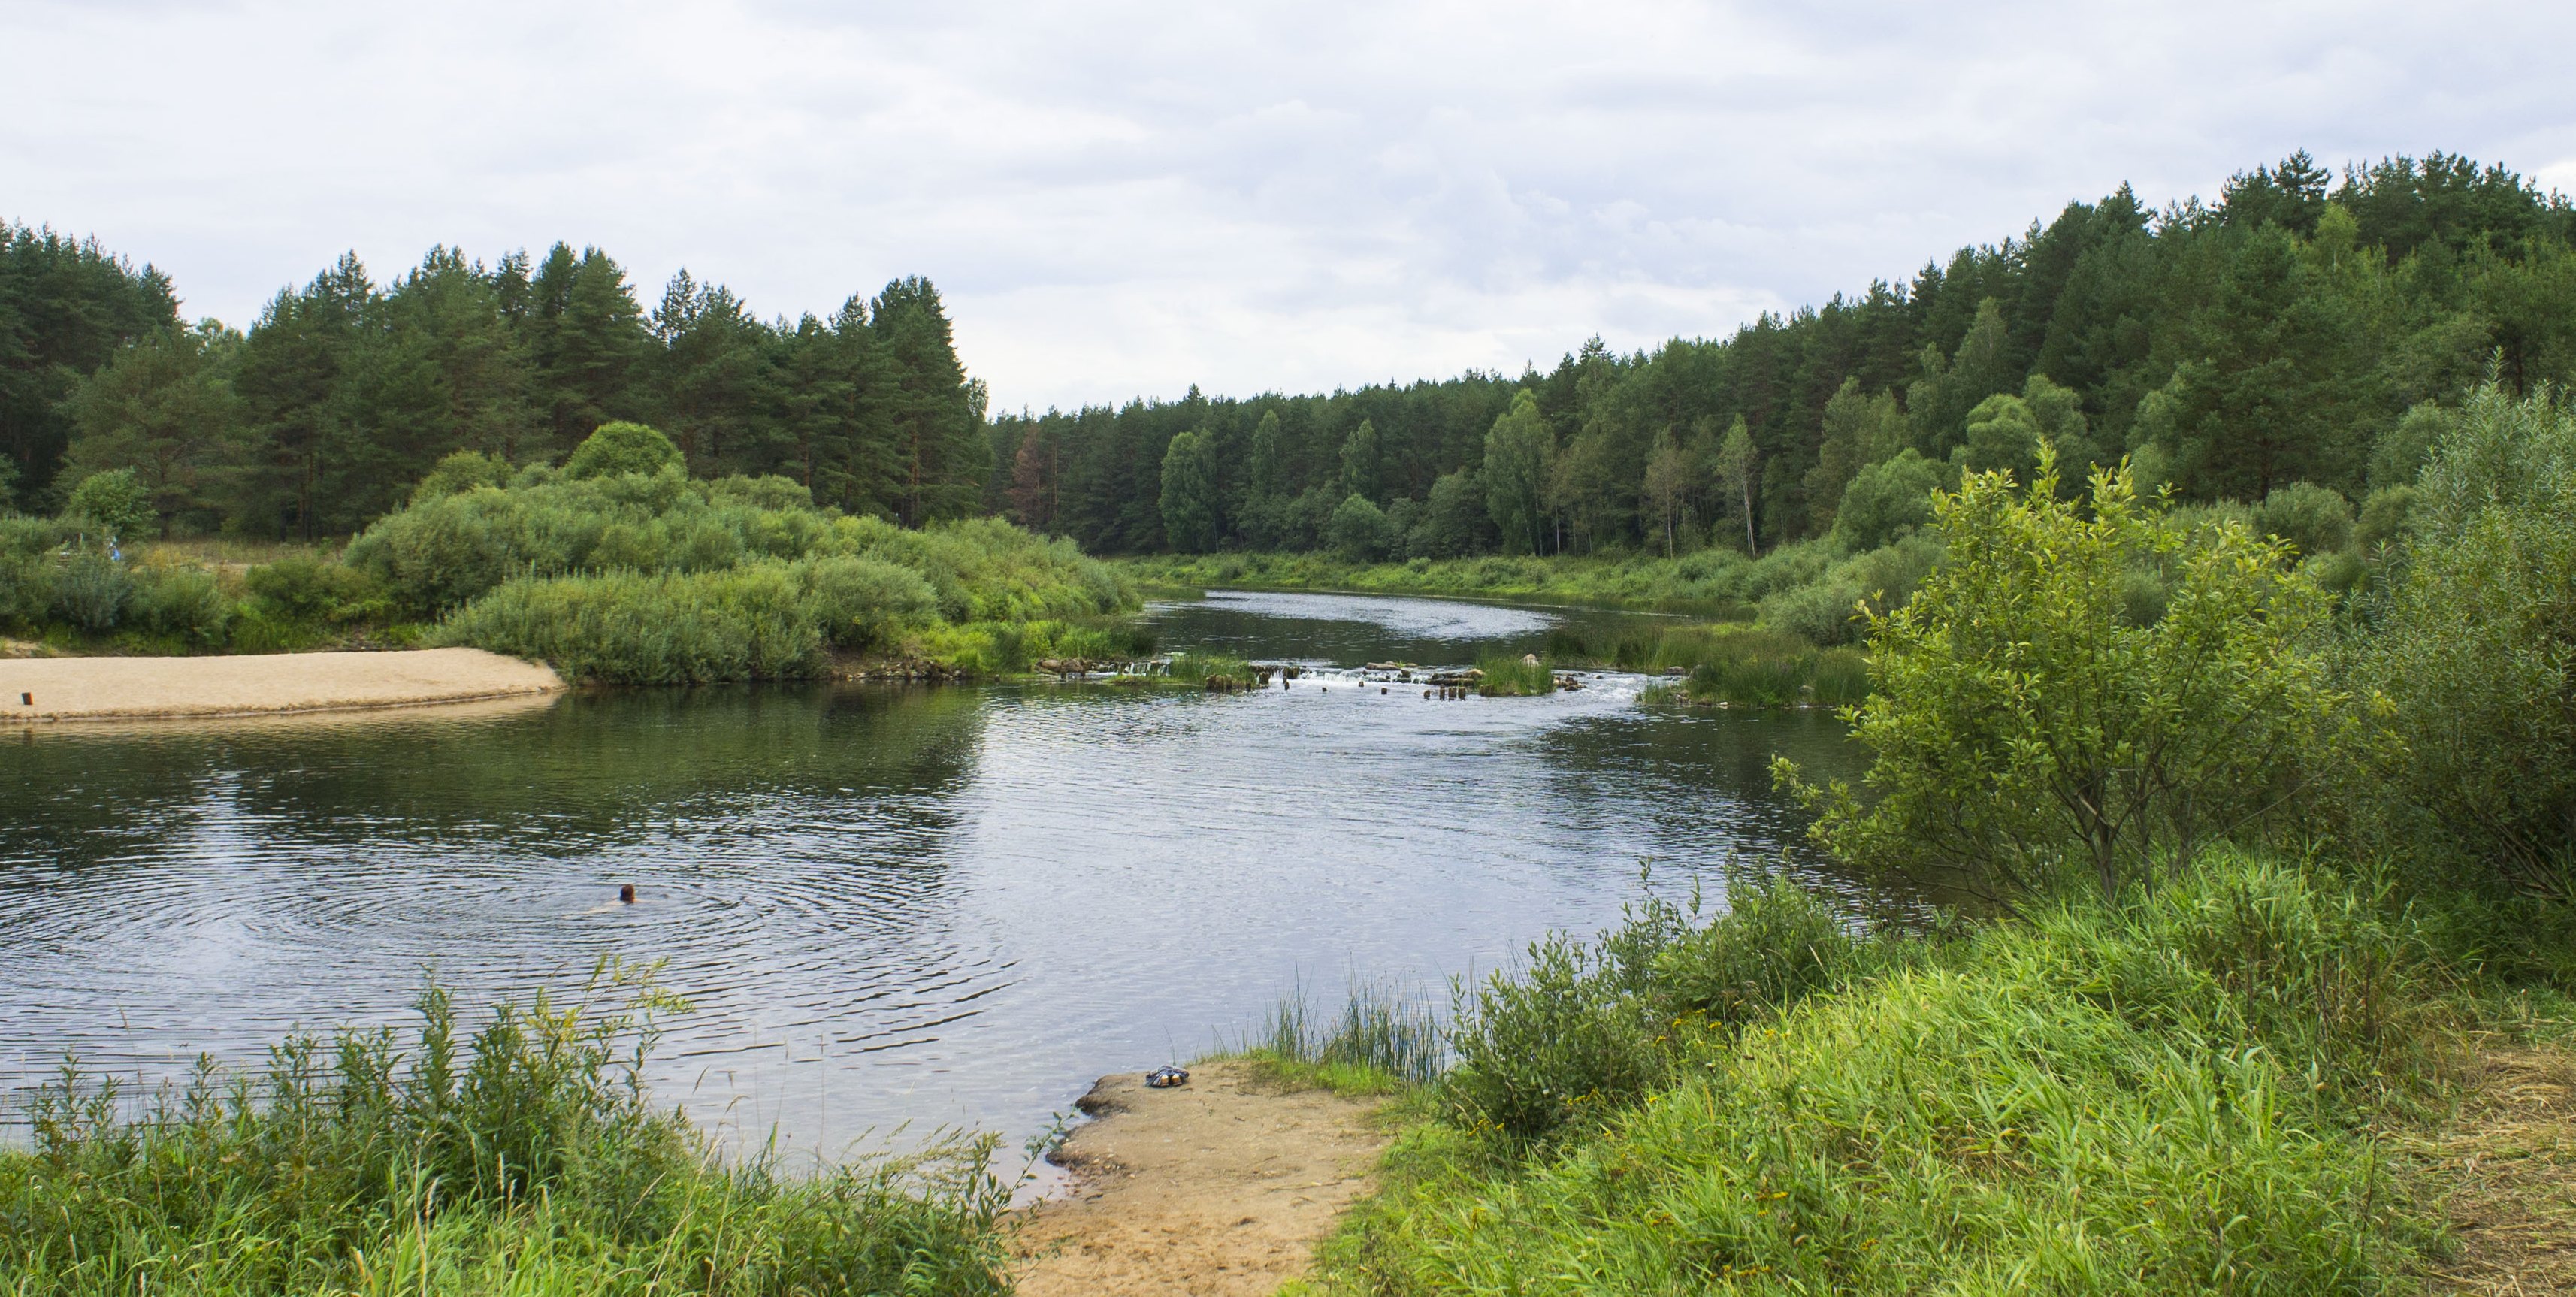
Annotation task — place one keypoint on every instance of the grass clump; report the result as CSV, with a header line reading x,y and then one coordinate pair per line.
x,y
1383,1042
1744,666
1503,676
526,1158
1211,671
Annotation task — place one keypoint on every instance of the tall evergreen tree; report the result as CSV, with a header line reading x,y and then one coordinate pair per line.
x,y
67,306
164,409
940,456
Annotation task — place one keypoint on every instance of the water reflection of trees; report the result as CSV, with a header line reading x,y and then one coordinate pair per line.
x,y
1702,779
596,768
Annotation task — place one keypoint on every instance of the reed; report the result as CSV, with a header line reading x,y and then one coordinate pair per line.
x,y
1383,1040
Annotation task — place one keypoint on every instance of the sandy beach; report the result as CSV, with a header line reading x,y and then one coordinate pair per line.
x,y
136,688
1220,1188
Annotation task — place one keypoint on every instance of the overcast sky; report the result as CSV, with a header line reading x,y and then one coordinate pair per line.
x,y
1124,199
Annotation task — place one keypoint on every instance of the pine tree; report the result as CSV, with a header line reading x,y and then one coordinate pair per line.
x,y
941,457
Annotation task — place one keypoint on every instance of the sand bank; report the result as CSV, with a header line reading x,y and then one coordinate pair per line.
x,y
1219,1187
133,688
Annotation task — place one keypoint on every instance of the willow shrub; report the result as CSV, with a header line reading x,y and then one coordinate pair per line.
x,y
750,623
2470,657
2169,1094
525,1157
2025,729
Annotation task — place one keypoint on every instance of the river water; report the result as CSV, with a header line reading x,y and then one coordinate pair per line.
x,y
893,909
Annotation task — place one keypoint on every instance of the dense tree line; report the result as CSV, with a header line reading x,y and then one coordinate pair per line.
x,y
345,392
2304,329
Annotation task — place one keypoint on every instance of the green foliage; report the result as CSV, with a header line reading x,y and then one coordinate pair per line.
x,y
116,503
621,447
1760,668
90,591
863,603
1201,668
185,604
2475,637
524,1157
300,588
2023,727
1561,1040
1517,450
1775,945
1886,500
2385,516
1360,530
753,622
463,471
1192,500
2314,519
2173,1095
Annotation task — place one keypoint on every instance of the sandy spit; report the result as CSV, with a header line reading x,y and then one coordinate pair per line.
x,y
135,688
1218,1188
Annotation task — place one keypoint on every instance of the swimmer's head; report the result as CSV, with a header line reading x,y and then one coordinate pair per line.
x,y
627,893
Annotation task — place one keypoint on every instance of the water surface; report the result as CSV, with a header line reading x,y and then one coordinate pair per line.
x,y
889,905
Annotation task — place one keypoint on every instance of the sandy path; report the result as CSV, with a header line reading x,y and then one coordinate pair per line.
x,y
119,688
1219,1187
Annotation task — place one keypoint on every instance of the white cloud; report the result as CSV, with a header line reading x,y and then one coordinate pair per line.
x,y
1123,199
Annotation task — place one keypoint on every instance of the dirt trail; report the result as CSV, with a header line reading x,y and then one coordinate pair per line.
x,y
1217,1188
128,688
2510,1165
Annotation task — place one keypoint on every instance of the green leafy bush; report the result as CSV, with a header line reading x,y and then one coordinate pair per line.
x,y
2470,662
619,447
90,591
2316,519
300,588
864,603
749,623
116,503
1774,945
182,603
1561,1040
2024,725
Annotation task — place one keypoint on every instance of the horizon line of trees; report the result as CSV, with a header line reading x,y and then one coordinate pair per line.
x,y
2301,332
344,393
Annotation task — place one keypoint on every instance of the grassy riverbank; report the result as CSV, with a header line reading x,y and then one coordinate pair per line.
x,y
521,1154
2205,1089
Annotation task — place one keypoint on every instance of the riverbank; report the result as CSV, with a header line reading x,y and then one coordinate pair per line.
x,y
134,688
1222,1186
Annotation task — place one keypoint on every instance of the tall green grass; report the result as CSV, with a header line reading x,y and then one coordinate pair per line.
x,y
2177,1094
1381,1040
1206,669
527,1158
1506,676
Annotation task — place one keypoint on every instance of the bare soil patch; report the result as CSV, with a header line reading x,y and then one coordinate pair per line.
x,y
127,688
1217,1188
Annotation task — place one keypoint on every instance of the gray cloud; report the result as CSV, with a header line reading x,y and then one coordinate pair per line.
x,y
1128,198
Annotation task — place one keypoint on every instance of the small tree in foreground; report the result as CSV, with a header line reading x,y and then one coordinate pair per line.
x,y
2026,731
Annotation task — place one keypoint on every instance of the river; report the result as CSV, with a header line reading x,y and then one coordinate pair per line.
x,y
892,908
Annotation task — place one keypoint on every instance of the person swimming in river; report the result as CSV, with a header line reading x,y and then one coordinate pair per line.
x,y
626,894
